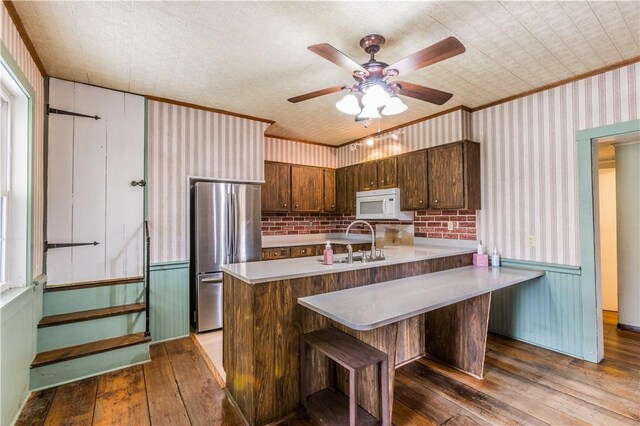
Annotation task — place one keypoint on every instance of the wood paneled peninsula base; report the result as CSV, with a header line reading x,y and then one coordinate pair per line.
x,y
263,323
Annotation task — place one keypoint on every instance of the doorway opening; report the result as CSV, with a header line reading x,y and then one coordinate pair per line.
x,y
617,235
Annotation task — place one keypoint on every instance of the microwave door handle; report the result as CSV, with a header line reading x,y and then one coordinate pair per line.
x,y
385,205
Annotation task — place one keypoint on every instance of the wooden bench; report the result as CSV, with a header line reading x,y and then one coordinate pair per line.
x,y
328,405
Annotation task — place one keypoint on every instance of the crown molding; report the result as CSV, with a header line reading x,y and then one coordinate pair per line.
x,y
13,14
204,108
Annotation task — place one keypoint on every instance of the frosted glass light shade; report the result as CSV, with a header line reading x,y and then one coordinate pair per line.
x,y
394,106
369,112
375,97
349,105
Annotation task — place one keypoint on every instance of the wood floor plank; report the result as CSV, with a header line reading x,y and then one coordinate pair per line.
x,y
487,408
583,388
73,404
205,402
405,416
430,405
121,398
39,403
517,396
165,403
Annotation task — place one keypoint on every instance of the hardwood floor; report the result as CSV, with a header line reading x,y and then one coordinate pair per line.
x,y
523,384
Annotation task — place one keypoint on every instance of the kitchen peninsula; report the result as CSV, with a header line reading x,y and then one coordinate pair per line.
x,y
264,322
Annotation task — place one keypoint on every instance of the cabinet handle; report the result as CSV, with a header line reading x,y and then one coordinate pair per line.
x,y
284,205
382,181
304,251
296,205
420,201
435,201
332,206
371,183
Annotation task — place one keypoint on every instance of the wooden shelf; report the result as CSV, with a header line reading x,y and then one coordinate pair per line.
x,y
330,407
85,349
59,319
89,284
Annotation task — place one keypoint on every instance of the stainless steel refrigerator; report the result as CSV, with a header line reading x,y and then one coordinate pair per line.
x,y
225,228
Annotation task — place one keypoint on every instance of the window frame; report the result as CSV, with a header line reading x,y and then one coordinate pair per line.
x,y
18,206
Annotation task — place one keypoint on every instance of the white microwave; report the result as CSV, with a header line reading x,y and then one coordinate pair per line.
x,y
380,204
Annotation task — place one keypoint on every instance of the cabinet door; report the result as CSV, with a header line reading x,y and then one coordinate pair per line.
x,y
341,190
387,173
306,189
276,188
412,180
329,199
445,171
368,176
352,188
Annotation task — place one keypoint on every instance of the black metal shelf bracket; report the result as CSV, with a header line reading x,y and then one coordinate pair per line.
x,y
73,114
63,245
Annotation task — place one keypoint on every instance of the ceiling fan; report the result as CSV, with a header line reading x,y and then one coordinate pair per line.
x,y
373,78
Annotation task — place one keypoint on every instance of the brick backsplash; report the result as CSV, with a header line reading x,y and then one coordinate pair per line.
x,y
427,223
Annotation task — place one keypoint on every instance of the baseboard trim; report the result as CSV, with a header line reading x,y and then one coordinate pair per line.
x,y
626,327
163,266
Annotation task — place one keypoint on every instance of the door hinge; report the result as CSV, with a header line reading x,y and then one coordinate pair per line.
x,y
63,245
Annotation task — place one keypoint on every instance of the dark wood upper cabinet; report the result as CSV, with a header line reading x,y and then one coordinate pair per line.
x,y
276,188
306,189
454,176
329,200
341,190
352,188
368,176
412,180
346,188
387,172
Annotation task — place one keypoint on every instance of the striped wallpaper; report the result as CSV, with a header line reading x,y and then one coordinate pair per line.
x,y
187,142
287,151
435,131
13,42
529,170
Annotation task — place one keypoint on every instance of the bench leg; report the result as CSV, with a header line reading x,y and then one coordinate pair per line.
x,y
353,397
385,414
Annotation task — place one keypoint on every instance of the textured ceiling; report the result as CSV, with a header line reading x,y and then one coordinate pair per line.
x,y
249,57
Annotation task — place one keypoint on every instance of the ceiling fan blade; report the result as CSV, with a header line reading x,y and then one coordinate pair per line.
x,y
332,54
440,51
315,94
426,94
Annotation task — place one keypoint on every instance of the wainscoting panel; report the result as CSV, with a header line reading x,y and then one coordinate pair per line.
x,y
169,300
545,312
18,321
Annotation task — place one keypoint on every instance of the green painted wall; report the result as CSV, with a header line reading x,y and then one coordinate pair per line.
x,y
18,322
169,304
545,312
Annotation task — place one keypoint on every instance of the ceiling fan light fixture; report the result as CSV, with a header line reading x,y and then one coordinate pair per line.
x,y
375,96
369,111
349,105
394,106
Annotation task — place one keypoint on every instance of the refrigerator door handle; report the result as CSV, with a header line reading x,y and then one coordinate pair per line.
x,y
235,224
229,236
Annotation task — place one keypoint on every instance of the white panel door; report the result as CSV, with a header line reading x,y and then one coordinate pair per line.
x,y
91,164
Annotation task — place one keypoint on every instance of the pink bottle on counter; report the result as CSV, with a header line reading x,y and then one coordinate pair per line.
x,y
328,254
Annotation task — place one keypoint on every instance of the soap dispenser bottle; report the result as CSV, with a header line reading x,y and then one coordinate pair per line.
x,y
328,254
495,257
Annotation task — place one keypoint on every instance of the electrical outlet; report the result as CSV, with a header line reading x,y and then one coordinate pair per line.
x,y
450,226
532,240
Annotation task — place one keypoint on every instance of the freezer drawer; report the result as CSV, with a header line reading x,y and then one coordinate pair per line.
x,y
208,302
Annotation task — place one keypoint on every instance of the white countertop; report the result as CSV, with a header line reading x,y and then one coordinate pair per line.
x,y
274,270
376,305
313,239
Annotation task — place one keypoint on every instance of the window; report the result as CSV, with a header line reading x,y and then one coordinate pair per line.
x,y
4,179
14,182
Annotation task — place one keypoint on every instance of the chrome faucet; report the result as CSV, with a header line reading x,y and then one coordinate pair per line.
x,y
373,235
349,254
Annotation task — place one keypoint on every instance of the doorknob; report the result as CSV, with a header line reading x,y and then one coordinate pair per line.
x,y
140,182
